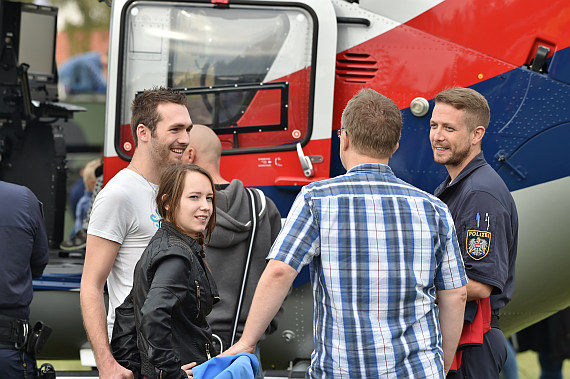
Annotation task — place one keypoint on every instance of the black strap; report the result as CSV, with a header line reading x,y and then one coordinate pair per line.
x,y
13,333
253,208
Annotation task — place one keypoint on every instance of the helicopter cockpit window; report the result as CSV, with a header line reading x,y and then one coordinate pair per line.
x,y
246,69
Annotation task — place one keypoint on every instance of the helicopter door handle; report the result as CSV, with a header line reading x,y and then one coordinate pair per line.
x,y
306,163
502,157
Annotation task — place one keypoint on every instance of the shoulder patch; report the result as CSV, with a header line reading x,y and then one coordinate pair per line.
x,y
478,243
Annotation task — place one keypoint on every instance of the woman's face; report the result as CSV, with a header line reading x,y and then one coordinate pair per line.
x,y
195,206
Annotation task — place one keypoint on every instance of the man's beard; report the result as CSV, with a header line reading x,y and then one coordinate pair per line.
x,y
162,154
457,158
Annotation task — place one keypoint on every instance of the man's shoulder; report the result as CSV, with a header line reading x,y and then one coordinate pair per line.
x,y
486,180
9,190
378,182
16,198
414,192
125,183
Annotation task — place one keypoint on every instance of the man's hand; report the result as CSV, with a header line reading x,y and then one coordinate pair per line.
x,y
114,371
239,347
188,368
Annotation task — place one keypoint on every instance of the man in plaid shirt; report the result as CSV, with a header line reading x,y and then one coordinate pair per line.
x,y
386,269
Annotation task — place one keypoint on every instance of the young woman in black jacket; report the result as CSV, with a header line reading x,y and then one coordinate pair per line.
x,y
162,323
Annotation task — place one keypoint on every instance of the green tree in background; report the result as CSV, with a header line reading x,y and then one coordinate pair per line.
x,y
78,18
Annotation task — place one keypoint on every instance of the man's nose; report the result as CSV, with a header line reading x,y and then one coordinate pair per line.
x,y
184,138
436,134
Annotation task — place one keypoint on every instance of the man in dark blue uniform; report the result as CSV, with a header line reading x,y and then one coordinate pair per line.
x,y
24,255
486,223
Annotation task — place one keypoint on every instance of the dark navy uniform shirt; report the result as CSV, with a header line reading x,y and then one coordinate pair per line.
x,y
23,248
486,223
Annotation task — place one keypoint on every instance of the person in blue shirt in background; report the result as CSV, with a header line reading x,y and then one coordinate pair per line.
x,y
84,73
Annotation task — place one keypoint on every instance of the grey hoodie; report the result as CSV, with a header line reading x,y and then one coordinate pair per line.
x,y
227,250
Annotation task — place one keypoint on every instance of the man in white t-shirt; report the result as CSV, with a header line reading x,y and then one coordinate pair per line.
x,y
124,216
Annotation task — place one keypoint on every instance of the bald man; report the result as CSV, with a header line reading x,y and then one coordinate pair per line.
x,y
228,250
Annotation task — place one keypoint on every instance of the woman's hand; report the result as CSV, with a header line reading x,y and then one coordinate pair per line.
x,y
188,368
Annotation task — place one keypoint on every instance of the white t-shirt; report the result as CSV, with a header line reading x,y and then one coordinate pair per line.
x,y
124,212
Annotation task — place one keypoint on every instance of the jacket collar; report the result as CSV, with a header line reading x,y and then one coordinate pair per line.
x,y
476,162
191,242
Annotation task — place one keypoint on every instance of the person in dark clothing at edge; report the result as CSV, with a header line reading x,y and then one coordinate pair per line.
x,y
227,251
173,289
24,255
486,222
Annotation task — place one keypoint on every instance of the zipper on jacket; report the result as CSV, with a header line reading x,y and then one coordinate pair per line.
x,y
198,297
208,351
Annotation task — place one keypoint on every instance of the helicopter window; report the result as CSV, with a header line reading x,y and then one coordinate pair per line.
x,y
247,70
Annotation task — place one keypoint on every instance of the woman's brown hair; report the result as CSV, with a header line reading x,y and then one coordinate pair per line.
x,y
170,191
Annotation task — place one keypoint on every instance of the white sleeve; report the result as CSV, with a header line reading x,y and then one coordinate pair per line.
x,y
111,216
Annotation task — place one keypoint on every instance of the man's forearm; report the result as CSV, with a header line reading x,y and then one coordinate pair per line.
x,y
95,322
271,290
478,290
451,311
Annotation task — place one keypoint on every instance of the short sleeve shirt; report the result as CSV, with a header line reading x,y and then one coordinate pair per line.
x,y
124,212
378,249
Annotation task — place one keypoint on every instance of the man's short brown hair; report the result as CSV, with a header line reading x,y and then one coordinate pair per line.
x,y
144,107
373,123
474,104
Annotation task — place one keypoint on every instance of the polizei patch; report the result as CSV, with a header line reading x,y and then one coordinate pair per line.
x,y
478,243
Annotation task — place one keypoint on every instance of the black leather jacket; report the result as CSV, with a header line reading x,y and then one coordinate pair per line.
x,y
173,291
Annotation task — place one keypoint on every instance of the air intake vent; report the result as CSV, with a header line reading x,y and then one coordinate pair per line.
x,y
356,68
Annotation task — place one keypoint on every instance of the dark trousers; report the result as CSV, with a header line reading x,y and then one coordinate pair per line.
x,y
485,361
15,364
550,367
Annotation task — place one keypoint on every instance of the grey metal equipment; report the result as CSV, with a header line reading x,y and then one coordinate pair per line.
x,y
539,59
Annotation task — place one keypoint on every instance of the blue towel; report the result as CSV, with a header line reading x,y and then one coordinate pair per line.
x,y
240,366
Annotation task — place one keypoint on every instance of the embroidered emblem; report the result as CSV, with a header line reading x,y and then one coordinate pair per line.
x,y
478,243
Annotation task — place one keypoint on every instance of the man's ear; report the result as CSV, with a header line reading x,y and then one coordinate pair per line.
x,y
143,133
344,142
189,155
395,149
478,134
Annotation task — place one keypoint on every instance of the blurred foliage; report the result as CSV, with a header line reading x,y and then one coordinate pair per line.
x,y
78,18
87,14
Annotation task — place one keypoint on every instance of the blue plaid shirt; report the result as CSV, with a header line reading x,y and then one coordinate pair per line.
x,y
378,249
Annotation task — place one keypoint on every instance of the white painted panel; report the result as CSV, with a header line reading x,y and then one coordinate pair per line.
x,y
401,11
